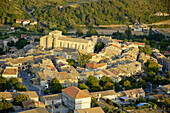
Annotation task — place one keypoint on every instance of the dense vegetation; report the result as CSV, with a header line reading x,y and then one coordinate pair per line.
x,y
11,10
151,39
98,12
6,84
5,106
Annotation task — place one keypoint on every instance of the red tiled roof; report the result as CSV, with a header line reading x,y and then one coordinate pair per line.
x,y
137,43
105,72
51,67
94,65
75,92
116,46
165,52
92,54
29,102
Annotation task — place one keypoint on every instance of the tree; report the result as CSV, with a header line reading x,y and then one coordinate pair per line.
x,y
5,106
142,83
54,81
145,50
125,40
72,62
45,91
104,80
127,84
92,81
106,109
108,86
83,59
83,86
14,80
153,66
99,46
56,88
96,87
117,87
16,25
168,75
20,87
2,51
128,32
91,32
20,98
79,32
4,84
21,43
10,44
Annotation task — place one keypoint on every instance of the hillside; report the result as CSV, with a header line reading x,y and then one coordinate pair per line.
x,y
11,10
97,12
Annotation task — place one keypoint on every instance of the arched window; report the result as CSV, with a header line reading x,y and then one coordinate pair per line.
x,y
82,46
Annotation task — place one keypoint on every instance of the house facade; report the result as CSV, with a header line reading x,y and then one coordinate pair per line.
x,y
10,72
49,99
75,99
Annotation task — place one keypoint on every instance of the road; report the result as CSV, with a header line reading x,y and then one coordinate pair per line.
x,y
26,81
33,17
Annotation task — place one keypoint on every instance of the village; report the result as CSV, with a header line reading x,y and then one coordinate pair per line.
x,y
65,74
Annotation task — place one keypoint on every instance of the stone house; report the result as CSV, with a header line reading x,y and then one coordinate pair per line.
x,y
10,96
90,110
10,72
110,94
32,104
134,93
36,110
76,99
48,99
95,66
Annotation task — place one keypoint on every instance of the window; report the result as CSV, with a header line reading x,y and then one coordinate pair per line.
x,y
68,45
60,44
75,46
82,46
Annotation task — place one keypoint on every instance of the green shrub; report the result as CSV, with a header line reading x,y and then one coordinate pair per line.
x,y
45,91
115,104
129,108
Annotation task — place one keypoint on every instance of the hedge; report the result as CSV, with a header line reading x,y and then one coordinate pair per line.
x,y
153,104
129,108
134,107
110,102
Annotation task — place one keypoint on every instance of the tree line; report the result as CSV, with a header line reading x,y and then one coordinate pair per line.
x,y
100,13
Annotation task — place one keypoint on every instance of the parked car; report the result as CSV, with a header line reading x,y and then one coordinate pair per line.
x,y
56,106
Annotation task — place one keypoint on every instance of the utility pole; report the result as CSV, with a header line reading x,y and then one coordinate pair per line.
x,y
60,107
39,91
52,106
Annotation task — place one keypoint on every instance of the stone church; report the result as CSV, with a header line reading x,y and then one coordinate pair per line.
x,y
55,39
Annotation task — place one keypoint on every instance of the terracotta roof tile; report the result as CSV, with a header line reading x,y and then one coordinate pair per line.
x,y
94,65
75,92
91,110
30,102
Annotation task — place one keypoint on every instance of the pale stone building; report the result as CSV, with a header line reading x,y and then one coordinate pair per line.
x,y
90,110
76,99
10,72
55,39
49,99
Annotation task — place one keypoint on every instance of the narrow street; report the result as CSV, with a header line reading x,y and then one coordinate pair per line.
x,y
26,81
